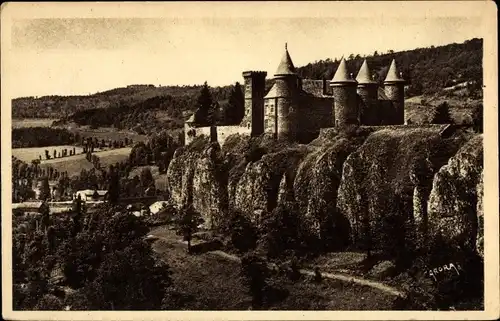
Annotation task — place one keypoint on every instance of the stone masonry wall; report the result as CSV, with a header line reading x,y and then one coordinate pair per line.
x,y
346,105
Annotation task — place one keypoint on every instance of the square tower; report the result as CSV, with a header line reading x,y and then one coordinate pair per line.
x,y
255,87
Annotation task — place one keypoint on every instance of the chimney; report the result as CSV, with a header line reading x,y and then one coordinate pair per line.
x,y
325,87
299,83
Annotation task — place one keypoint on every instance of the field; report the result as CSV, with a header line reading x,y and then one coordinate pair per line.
x,y
31,153
74,164
35,122
420,108
206,276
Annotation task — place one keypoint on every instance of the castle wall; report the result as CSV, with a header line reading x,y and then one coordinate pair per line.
x,y
345,104
314,113
220,132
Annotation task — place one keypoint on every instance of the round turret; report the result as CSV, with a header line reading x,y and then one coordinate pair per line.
x,y
368,92
394,90
344,95
286,98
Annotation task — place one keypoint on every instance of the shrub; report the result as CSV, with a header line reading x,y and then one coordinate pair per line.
x,y
254,275
243,233
441,114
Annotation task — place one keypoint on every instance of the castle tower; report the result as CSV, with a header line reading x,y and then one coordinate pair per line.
x,y
344,97
255,87
286,83
394,90
368,91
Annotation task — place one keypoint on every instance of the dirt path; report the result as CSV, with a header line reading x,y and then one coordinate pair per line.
x,y
335,276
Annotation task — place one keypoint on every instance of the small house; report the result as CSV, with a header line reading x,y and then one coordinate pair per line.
x,y
91,195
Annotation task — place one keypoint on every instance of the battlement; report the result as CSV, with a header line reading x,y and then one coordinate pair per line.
x,y
252,73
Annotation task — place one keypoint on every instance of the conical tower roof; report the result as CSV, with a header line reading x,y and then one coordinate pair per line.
x,y
342,74
364,75
286,66
393,75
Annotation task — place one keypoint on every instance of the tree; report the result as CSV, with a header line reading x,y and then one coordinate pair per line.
x,y
254,275
204,103
477,118
243,233
281,232
45,212
146,280
114,185
45,189
187,224
441,114
146,178
235,108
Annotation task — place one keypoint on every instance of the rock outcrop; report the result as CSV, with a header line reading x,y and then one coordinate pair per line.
x,y
455,202
315,190
374,189
181,171
210,186
258,188
377,190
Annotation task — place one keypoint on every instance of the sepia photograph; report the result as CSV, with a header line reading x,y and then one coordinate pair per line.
x,y
336,160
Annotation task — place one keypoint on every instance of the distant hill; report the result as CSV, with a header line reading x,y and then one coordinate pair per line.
x,y
146,107
133,95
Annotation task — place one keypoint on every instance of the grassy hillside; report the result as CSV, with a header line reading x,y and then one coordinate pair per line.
x,y
74,164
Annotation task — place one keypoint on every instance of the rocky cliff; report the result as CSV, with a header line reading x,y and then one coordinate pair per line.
x,y
368,189
455,203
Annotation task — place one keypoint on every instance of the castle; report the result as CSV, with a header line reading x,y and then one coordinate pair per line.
x,y
295,108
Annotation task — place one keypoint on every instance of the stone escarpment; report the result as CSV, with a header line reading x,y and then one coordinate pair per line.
x,y
456,200
368,189
385,185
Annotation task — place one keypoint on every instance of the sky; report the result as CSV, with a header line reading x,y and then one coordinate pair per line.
x,y
86,53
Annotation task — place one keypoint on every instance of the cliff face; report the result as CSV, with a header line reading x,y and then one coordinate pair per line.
x,y
376,190
455,203
209,185
258,188
315,190
181,171
371,190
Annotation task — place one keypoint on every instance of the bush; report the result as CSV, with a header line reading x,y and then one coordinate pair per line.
x,y
243,233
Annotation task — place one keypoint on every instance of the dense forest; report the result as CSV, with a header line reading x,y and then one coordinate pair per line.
x,y
91,255
41,137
